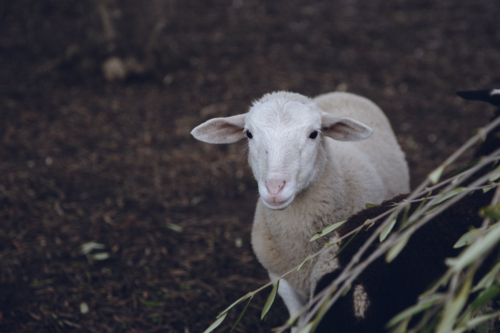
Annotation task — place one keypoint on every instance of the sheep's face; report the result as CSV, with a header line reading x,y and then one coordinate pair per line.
x,y
284,140
285,134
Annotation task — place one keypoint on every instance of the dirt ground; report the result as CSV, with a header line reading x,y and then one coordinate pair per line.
x,y
105,156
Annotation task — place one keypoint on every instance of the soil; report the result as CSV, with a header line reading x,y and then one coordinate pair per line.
x,y
97,101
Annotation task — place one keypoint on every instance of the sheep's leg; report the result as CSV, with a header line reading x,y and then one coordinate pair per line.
x,y
292,300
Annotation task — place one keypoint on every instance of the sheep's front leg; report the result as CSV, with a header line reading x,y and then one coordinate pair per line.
x,y
292,300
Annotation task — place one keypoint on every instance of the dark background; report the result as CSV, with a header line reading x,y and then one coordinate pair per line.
x,y
99,155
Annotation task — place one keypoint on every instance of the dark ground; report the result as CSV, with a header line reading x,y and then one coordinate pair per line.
x,y
87,159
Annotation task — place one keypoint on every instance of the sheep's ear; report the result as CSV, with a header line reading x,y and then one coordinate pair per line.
x,y
344,129
221,130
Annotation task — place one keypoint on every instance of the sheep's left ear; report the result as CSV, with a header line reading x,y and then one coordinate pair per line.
x,y
221,130
344,129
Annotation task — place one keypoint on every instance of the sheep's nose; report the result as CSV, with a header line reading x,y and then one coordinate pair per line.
x,y
274,186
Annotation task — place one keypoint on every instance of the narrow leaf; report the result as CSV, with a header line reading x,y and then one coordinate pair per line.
x,y
466,238
485,297
303,263
477,249
326,230
436,174
235,303
411,311
241,314
481,319
388,228
491,212
403,326
451,193
453,308
494,175
270,300
307,328
370,205
486,189
396,249
291,322
216,323
345,245
488,279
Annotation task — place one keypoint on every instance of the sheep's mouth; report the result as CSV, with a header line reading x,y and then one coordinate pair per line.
x,y
278,204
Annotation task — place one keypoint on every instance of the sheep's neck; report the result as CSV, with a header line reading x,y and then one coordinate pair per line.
x,y
317,206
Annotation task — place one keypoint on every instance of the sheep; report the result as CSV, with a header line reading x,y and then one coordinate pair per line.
x,y
316,162
383,290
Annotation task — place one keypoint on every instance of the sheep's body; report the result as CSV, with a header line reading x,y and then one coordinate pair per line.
x,y
356,173
308,183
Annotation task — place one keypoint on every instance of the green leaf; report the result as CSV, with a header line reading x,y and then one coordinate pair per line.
x,y
291,322
481,319
303,263
491,211
488,279
216,323
370,205
396,249
411,311
453,308
494,175
235,303
452,193
485,297
270,300
403,326
466,238
436,174
477,249
347,243
326,230
307,328
387,229
486,189
241,314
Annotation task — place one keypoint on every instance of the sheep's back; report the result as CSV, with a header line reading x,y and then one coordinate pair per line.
x,y
382,149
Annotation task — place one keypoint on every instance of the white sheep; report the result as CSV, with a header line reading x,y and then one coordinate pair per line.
x,y
308,175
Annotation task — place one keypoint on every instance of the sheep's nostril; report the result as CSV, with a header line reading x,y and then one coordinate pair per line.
x,y
274,186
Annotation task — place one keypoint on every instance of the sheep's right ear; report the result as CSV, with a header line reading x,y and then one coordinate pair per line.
x,y
221,130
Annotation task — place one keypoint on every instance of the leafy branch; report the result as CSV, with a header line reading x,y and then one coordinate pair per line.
x,y
455,316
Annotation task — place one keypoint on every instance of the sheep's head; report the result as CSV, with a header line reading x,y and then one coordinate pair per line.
x,y
285,139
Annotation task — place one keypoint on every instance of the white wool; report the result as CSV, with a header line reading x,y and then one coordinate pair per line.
x,y
307,182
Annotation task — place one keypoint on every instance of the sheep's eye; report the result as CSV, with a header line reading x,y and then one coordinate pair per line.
x,y
249,135
313,135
